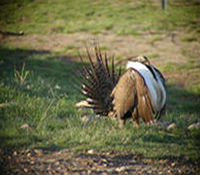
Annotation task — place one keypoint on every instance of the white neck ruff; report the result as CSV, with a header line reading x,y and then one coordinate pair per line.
x,y
156,88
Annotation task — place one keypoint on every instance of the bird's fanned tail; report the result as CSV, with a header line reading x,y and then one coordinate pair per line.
x,y
98,81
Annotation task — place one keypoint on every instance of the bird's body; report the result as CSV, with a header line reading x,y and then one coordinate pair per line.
x,y
153,82
139,92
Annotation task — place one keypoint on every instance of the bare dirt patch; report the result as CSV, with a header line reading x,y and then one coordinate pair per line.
x,y
37,161
163,48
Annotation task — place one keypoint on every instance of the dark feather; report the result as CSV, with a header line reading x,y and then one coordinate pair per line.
x,y
124,95
98,82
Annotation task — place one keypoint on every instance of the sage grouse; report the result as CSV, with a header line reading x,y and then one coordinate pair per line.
x,y
139,92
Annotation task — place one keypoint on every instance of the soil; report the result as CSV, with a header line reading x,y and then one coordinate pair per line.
x,y
165,48
162,48
37,161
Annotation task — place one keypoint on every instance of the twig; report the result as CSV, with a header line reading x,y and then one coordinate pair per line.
x,y
2,105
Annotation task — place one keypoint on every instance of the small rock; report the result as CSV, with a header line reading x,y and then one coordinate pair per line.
x,y
91,151
25,126
58,168
179,171
173,164
57,163
120,169
25,170
38,152
14,153
83,103
194,126
163,161
89,171
169,171
32,162
104,173
87,118
28,154
171,126
104,160
57,87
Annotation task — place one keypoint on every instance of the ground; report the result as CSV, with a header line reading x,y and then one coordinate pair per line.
x,y
37,161
163,49
167,49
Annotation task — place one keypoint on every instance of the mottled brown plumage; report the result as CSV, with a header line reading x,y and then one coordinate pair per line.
x,y
138,93
131,98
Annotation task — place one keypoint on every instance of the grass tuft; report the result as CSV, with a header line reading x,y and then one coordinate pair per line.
x,y
20,77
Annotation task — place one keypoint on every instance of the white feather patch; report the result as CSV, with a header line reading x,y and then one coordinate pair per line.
x,y
84,92
161,85
152,85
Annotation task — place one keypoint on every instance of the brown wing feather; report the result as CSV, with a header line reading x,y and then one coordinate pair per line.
x,y
144,105
124,93
131,92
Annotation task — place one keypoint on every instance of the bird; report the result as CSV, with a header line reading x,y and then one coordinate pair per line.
x,y
139,92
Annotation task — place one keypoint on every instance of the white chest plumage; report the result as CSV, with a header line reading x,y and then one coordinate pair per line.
x,y
155,86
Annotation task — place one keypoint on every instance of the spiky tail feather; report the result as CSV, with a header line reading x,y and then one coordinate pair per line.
x,y
98,81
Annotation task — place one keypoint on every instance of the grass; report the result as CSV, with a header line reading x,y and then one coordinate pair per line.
x,y
127,17
37,93
36,90
30,87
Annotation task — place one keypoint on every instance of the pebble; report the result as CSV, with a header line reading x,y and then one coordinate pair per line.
x,y
57,87
91,151
25,170
14,153
104,173
120,169
25,126
169,171
163,161
171,126
38,152
57,163
83,103
32,162
103,160
194,126
28,154
87,118
173,164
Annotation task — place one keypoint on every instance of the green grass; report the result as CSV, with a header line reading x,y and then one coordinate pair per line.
x,y
29,83
120,17
38,90
37,87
